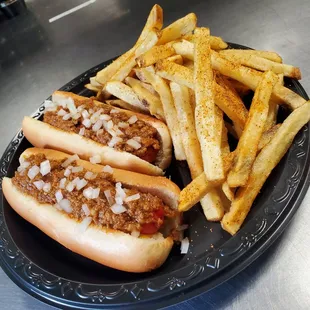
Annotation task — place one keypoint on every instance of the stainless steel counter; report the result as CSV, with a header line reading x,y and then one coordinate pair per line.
x,y
37,57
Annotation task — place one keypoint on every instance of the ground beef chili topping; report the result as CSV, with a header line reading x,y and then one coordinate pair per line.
x,y
145,214
108,126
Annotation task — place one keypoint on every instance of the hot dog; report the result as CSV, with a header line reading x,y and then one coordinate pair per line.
x,y
118,218
120,138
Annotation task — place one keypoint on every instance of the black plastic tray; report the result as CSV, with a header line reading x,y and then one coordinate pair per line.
x,y
51,273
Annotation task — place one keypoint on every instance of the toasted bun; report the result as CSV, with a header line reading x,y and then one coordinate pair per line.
x,y
106,246
41,134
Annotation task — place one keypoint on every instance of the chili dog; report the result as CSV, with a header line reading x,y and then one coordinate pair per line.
x,y
113,136
118,218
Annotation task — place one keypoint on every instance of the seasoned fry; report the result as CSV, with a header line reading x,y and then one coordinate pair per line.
x,y
185,49
241,89
178,28
149,100
124,105
178,59
272,115
154,21
189,64
251,78
92,88
263,64
228,191
273,56
212,206
248,144
150,88
267,136
265,162
155,54
207,125
216,43
164,92
175,73
150,40
124,92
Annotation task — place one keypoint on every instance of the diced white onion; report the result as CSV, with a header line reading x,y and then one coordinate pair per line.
x,y
118,132
110,124
132,119
77,169
66,117
80,108
82,131
70,187
70,160
119,191
65,205
62,183
88,192
133,143
81,184
21,160
47,187
123,125
59,196
91,111
109,197
84,224
76,181
107,169
184,245
25,164
57,206
45,167
114,141
33,171
138,139
105,117
86,122
96,159
76,116
85,114
118,209
96,192
135,233
67,172
97,125
132,197
89,175
114,111
61,112
118,200
71,106
49,105
39,184
85,209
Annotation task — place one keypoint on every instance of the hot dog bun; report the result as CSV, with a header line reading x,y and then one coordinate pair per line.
x,y
41,135
106,246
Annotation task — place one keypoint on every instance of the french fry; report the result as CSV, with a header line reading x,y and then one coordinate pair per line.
x,y
189,64
125,93
178,28
251,78
207,126
178,59
216,43
185,49
155,54
94,83
248,143
150,88
263,64
265,162
124,105
149,100
241,89
272,115
92,88
228,191
150,40
161,87
154,21
267,136
246,53
212,205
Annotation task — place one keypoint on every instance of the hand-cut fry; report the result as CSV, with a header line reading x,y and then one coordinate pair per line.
x,y
228,191
175,73
149,100
185,49
248,144
251,78
267,136
200,186
207,125
178,28
150,88
230,102
189,64
241,89
124,105
265,162
150,40
217,43
124,92
94,83
154,21
246,53
161,87
211,203
263,64
272,115
92,88
155,54
178,59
